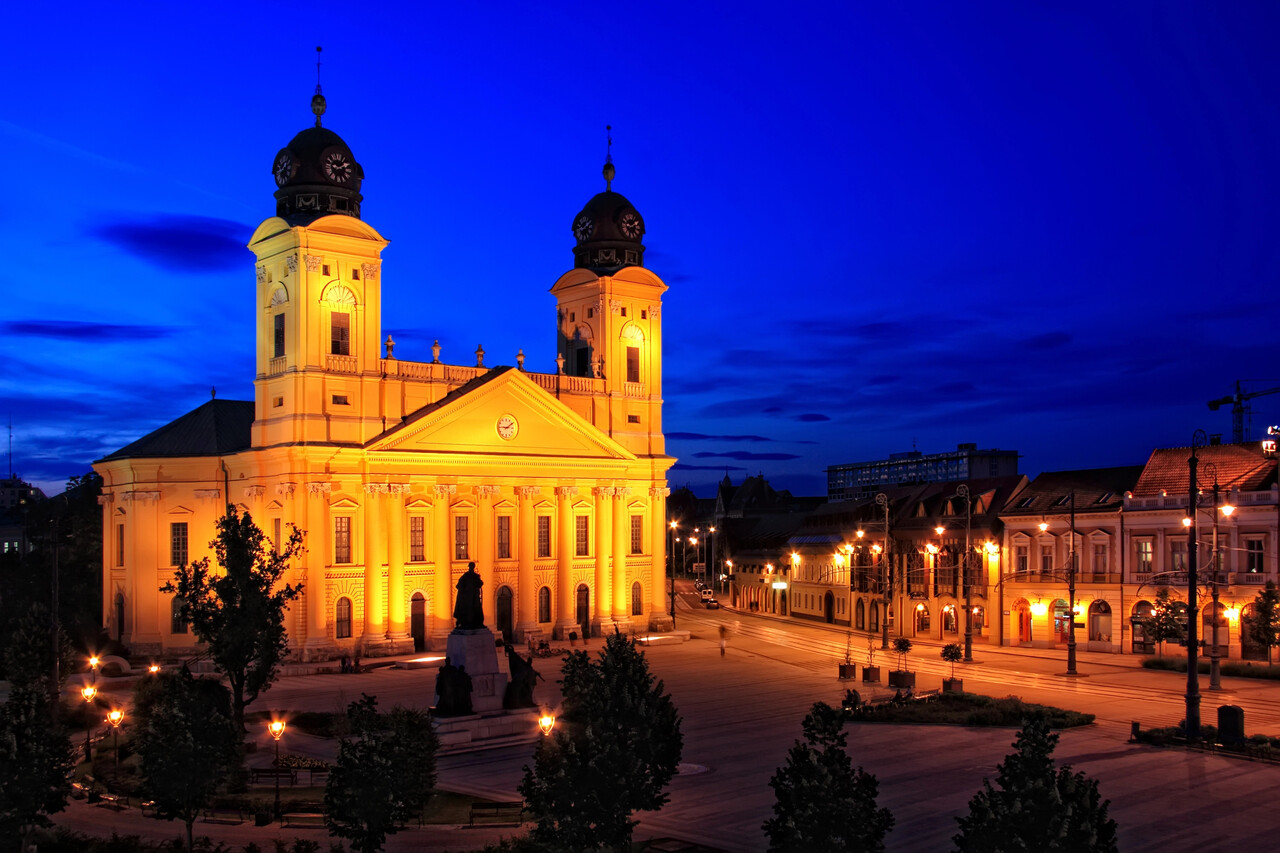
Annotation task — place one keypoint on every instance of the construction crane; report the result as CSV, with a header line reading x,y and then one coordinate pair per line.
x,y
1238,407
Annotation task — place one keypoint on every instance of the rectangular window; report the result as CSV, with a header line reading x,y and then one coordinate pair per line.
x,y
544,537
1178,556
276,529
460,549
342,539
1253,556
1022,559
340,333
341,400
504,537
1144,556
633,364
278,349
1099,559
417,539
1046,559
637,534
582,541
178,543
119,544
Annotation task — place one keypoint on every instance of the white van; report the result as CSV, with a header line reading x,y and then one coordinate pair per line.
x,y
707,594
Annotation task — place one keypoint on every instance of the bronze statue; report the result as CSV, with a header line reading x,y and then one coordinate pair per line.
x,y
468,612
453,691
524,678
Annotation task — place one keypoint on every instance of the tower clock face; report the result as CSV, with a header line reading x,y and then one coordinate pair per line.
x,y
631,225
583,227
507,427
283,168
337,167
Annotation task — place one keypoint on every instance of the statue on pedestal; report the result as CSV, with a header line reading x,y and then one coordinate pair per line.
x,y
453,691
523,679
468,612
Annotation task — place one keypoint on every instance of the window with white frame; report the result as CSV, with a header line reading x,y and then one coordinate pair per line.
x,y
1144,556
1021,559
417,539
1099,558
637,534
1253,554
178,543
504,537
582,536
1178,555
544,536
342,540
461,530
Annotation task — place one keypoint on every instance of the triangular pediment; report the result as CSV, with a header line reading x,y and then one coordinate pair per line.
x,y
502,413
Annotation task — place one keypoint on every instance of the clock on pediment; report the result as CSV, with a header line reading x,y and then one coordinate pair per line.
x,y
507,427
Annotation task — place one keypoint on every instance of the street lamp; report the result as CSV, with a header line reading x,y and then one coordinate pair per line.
x,y
671,560
724,578
546,723
1198,440
1211,471
88,692
115,717
277,730
1071,590
93,667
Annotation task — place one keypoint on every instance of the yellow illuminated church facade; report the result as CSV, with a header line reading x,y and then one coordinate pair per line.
x,y
400,473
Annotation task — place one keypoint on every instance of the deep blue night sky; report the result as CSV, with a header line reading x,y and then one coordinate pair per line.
x,y
1049,229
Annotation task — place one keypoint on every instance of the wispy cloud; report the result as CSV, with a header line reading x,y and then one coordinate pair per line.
x,y
75,330
178,243
746,456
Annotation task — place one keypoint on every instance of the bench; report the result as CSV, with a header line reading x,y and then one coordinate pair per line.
x,y
148,808
225,817
257,774
928,695
303,819
113,801
500,812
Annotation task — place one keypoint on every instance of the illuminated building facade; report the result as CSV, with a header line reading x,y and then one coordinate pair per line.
x,y
860,480
401,472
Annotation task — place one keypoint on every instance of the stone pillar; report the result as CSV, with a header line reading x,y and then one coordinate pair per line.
x,y
375,544
657,602
442,554
318,557
602,615
526,548
564,616
142,604
621,541
397,623
295,618
484,550
106,500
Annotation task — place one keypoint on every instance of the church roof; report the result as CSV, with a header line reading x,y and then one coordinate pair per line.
x,y
217,428
1239,466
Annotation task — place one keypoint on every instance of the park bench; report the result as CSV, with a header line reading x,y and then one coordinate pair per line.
x,y
225,817
117,802
303,819
498,812
928,695
257,774
148,808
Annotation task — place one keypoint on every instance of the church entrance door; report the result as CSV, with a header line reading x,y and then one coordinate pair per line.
x,y
504,613
584,611
418,622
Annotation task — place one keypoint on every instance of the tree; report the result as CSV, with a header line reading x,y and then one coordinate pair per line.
x,y
1167,620
952,653
36,758
28,654
901,645
613,752
240,612
1263,622
823,801
1038,806
383,776
186,741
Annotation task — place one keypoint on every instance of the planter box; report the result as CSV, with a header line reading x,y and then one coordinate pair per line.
x,y
902,679
848,671
953,685
871,675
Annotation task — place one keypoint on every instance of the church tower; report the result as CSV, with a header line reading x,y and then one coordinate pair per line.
x,y
318,299
609,312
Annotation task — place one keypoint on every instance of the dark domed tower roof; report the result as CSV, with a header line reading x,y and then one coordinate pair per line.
x,y
317,174
608,230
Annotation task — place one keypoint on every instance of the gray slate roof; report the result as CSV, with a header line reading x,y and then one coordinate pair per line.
x,y
217,428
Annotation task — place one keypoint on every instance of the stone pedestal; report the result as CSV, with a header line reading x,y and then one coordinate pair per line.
x,y
474,649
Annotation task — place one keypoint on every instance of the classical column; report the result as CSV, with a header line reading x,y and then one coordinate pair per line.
x,y
602,614
142,613
526,548
565,620
621,539
485,542
656,604
442,555
296,620
318,557
397,624
106,500
375,549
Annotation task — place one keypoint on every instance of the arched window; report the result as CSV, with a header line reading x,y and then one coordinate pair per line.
x,y
950,623
342,619
544,604
177,625
922,619
875,617
637,599
860,615
1100,621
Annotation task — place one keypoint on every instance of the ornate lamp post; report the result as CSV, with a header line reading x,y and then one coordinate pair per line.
x,y
88,692
1198,440
546,723
93,667
277,730
1211,472
1071,590
115,717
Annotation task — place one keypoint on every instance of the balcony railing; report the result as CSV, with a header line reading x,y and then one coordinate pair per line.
x,y
341,364
276,366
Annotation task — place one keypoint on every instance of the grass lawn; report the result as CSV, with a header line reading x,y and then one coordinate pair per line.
x,y
968,709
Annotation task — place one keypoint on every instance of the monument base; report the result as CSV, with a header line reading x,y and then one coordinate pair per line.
x,y
474,649
475,732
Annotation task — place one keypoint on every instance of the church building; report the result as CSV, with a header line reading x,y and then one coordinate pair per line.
x,y
400,473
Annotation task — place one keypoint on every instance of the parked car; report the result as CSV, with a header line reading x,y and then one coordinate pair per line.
x,y
698,584
711,604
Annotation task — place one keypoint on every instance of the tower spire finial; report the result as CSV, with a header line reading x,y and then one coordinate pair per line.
x,y
317,100
608,158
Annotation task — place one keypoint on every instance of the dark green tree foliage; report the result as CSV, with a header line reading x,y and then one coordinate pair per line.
x,y
1167,620
823,801
35,759
186,741
613,752
1263,623
384,774
239,611
1038,806
28,653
